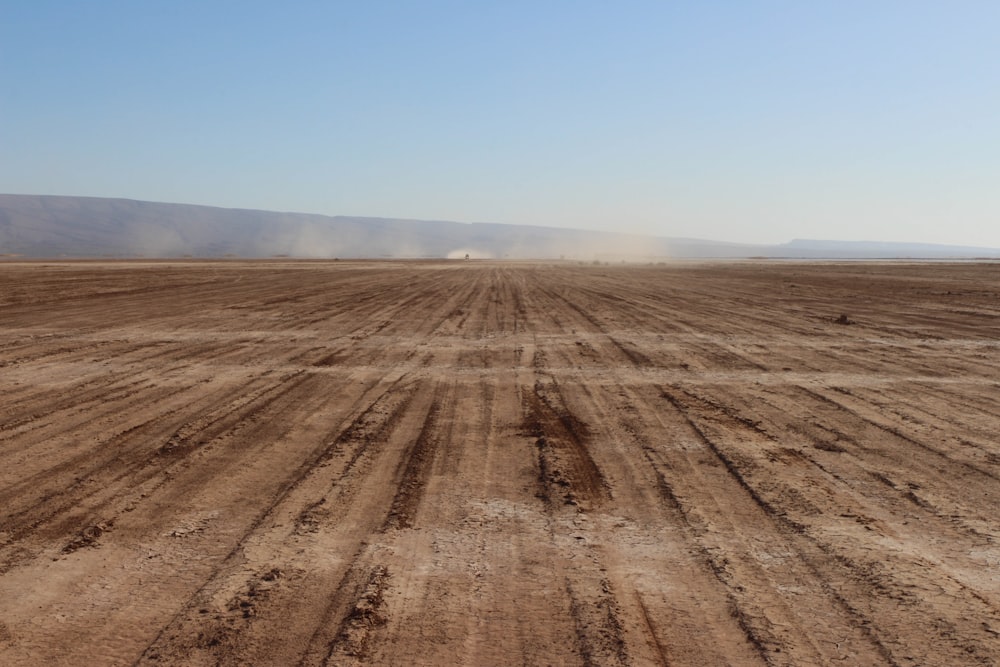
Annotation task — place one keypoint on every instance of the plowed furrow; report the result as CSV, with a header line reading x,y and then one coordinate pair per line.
x,y
77,401
415,467
65,457
567,473
766,611
319,500
869,581
105,492
486,463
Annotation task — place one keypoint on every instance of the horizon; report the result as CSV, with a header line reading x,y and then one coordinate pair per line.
x,y
66,226
758,124
787,242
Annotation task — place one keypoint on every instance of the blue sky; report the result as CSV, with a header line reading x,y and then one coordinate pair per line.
x,y
741,121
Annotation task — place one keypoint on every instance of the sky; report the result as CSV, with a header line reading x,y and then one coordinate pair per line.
x,y
753,121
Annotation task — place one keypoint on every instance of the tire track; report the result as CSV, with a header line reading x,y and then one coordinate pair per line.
x,y
374,463
759,605
103,495
360,437
567,473
870,584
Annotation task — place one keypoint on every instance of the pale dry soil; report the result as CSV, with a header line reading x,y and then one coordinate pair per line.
x,y
349,463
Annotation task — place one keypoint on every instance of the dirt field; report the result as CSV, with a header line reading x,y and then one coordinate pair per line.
x,y
499,464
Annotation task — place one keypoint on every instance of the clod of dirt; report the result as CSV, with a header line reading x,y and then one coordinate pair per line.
x,y
246,603
368,613
88,537
174,443
843,319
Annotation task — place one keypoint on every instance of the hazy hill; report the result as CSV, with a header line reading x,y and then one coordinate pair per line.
x,y
52,226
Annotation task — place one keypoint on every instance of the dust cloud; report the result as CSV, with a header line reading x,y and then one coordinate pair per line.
x,y
469,253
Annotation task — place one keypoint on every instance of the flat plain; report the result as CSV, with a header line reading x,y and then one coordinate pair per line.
x,y
486,463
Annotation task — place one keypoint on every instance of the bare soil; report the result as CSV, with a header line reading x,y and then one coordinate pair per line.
x,y
309,463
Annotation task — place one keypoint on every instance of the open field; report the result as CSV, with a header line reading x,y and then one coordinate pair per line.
x,y
497,464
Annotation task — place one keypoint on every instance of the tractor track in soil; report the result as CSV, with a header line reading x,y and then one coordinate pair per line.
x,y
492,463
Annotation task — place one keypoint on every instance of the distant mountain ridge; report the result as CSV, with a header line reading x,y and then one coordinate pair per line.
x,y
48,226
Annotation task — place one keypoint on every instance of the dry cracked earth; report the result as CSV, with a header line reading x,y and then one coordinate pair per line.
x,y
476,463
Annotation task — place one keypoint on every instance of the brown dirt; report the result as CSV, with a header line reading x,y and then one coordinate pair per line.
x,y
229,463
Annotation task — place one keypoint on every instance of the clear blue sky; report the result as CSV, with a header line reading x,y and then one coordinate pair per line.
x,y
745,121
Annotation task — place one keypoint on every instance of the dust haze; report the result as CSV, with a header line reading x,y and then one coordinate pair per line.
x,y
51,226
